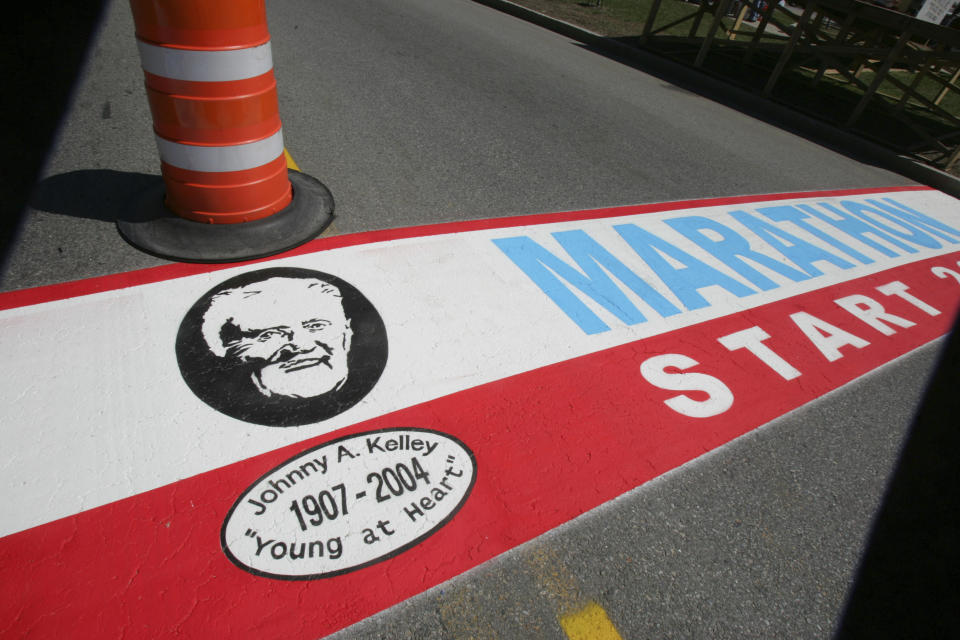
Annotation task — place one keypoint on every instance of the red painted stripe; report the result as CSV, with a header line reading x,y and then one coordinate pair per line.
x,y
550,444
228,197
99,284
215,120
223,89
212,24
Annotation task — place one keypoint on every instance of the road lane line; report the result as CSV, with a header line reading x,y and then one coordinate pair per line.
x,y
580,617
590,623
291,164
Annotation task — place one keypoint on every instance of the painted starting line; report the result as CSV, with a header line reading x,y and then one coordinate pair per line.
x,y
288,446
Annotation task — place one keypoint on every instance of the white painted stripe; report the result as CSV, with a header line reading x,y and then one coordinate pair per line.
x,y
205,66
458,313
235,157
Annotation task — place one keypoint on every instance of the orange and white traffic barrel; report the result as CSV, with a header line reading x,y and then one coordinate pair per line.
x,y
209,79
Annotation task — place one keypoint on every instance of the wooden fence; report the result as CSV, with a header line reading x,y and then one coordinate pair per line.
x,y
870,70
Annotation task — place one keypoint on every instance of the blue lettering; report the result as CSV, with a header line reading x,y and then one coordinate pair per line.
x,y
543,268
731,249
785,213
800,252
907,231
686,281
917,219
856,227
918,237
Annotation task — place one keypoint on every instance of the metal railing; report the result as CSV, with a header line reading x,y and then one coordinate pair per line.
x,y
873,71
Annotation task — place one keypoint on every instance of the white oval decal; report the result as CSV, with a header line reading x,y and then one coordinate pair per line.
x,y
349,503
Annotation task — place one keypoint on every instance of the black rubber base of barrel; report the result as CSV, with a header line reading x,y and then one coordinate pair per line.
x,y
153,228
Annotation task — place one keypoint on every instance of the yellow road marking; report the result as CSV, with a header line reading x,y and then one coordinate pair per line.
x,y
579,621
290,163
590,623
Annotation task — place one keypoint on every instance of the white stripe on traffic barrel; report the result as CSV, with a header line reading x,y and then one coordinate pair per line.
x,y
205,66
218,159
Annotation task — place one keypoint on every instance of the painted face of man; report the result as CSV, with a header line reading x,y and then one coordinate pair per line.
x,y
292,331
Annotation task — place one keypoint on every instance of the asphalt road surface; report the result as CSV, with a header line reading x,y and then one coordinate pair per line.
x,y
419,112
415,112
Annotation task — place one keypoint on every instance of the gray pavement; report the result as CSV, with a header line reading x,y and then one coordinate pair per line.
x,y
758,539
417,112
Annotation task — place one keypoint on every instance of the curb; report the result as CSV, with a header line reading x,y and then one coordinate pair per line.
x,y
742,100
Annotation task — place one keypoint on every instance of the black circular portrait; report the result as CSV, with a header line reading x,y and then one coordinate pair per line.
x,y
282,347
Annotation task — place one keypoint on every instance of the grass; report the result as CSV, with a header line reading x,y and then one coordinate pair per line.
x,y
928,88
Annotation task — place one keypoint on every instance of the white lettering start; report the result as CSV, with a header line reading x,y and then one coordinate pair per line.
x,y
867,313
